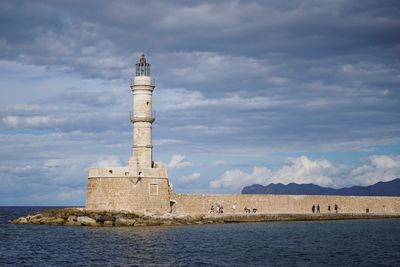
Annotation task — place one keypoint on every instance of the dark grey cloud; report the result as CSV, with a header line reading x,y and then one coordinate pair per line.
x,y
80,36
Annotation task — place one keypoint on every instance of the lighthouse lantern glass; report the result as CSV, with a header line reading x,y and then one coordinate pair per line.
x,y
142,67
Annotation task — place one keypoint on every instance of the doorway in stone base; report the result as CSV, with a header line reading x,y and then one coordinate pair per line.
x,y
172,205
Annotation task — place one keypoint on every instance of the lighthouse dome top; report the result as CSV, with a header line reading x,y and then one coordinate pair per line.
x,y
143,68
142,59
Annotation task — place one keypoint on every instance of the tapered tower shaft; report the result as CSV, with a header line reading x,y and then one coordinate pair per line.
x,y
142,116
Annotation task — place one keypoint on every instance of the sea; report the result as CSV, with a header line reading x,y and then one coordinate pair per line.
x,y
316,243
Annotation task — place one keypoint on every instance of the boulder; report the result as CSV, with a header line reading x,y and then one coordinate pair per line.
x,y
153,221
108,223
87,221
167,222
20,220
147,213
104,217
51,220
34,218
141,223
137,214
72,218
72,221
166,216
121,221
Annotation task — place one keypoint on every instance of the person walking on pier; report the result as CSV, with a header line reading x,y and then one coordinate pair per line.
x,y
313,208
336,208
318,210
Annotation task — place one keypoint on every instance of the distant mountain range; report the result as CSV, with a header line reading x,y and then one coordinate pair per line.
x,y
391,188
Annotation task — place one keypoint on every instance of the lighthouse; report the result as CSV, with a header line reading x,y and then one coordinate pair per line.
x,y
142,185
142,118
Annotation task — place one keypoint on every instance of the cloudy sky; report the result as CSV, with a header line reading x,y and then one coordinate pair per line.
x,y
246,92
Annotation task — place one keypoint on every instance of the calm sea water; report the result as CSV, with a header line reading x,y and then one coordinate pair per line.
x,y
330,243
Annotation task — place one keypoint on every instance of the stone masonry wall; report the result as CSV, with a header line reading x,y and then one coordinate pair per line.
x,y
123,194
128,189
147,190
200,204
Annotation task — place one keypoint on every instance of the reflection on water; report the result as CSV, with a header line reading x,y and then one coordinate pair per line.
x,y
345,243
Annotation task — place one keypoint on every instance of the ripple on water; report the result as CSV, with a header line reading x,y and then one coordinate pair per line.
x,y
331,243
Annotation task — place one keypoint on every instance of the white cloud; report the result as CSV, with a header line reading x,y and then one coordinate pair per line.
x,y
30,121
178,162
377,168
218,162
190,178
236,179
178,99
108,162
181,99
303,170
166,142
50,163
26,107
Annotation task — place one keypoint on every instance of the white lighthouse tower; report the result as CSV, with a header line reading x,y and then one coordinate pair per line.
x,y
142,116
142,185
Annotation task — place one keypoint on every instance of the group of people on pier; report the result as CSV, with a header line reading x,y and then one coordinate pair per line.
x,y
218,208
247,210
316,208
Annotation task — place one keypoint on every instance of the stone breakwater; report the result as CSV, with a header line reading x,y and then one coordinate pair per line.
x,y
83,217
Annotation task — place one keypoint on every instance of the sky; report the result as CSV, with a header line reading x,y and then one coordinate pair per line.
x,y
246,92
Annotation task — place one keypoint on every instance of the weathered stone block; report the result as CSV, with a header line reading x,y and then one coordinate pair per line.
x,y
87,221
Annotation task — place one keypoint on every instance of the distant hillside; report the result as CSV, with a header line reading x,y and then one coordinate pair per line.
x,y
391,188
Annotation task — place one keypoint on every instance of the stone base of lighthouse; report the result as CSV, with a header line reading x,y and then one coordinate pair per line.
x,y
129,189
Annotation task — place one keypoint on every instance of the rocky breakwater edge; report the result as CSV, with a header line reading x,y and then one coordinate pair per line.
x,y
83,217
